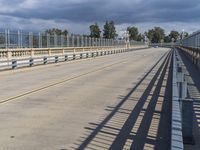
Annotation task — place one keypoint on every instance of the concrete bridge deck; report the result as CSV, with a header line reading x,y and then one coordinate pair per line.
x,y
115,102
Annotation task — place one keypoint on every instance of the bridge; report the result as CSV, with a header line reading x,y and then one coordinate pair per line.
x,y
76,92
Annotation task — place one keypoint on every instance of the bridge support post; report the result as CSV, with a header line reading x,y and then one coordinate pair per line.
x,y
187,121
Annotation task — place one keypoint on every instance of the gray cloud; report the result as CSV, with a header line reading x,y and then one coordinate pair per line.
x,y
88,11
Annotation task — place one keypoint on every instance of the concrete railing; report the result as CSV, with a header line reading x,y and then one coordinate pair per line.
x,y
9,54
192,53
16,58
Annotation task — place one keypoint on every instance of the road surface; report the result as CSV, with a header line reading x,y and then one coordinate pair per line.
x,y
120,101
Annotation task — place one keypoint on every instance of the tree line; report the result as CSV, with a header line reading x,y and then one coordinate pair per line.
x,y
155,35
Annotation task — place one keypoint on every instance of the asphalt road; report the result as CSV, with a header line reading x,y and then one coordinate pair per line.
x,y
98,103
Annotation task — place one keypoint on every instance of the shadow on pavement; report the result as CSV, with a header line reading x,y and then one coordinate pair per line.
x,y
142,118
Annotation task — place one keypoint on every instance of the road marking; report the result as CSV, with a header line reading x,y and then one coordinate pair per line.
x,y
58,82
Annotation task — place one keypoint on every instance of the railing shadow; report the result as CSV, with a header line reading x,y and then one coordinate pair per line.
x,y
138,121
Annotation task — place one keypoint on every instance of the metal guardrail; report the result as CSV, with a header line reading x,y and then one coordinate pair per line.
x,y
47,59
176,125
8,54
162,44
182,107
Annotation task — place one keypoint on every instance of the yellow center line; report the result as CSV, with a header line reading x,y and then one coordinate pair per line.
x,y
58,83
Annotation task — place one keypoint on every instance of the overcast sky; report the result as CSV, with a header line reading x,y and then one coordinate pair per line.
x,y
77,15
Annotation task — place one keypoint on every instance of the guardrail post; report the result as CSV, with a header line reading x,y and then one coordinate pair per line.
x,y
81,56
14,64
56,59
74,56
180,80
187,121
31,62
66,57
45,60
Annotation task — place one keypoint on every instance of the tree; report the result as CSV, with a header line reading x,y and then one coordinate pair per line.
x,y
149,34
184,35
133,33
109,30
155,35
141,37
174,35
95,31
57,32
167,39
